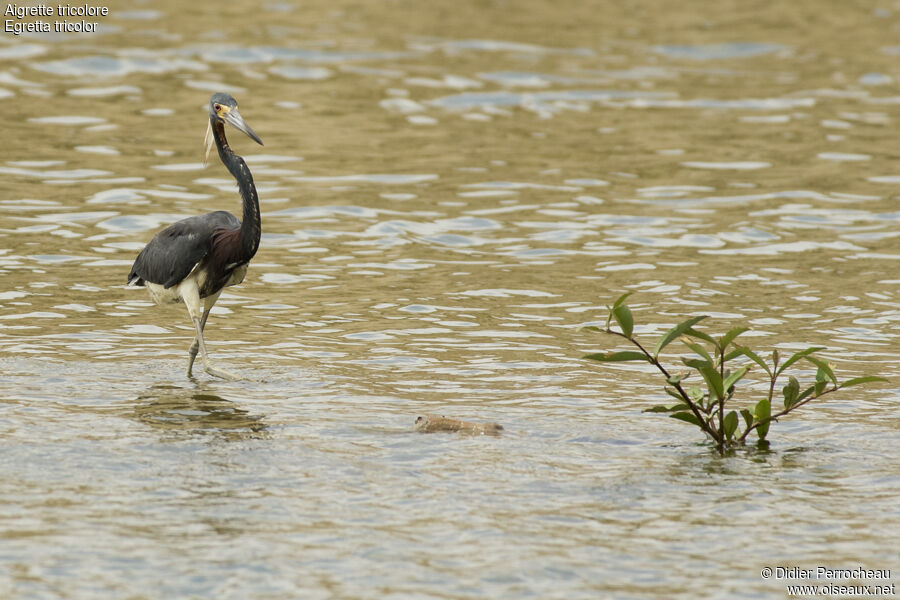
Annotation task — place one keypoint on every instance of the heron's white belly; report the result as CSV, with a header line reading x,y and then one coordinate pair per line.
x,y
190,284
197,278
161,295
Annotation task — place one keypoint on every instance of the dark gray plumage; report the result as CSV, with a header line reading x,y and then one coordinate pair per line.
x,y
174,252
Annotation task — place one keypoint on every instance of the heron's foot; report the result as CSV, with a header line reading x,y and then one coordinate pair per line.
x,y
216,372
209,368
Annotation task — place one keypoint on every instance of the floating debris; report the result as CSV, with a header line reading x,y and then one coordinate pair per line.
x,y
435,423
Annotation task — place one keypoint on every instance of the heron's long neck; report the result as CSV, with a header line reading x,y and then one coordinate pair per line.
x,y
251,225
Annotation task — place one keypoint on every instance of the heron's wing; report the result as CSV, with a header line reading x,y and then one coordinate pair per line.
x,y
174,252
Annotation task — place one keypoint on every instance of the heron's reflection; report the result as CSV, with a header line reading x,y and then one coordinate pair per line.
x,y
181,410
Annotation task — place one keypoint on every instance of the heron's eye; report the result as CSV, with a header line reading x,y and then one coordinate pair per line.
x,y
217,107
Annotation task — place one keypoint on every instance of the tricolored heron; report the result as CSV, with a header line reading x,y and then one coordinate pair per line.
x,y
195,258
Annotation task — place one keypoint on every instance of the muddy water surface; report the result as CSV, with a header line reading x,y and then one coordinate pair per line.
x,y
448,193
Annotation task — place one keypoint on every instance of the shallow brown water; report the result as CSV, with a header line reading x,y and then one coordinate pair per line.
x,y
449,192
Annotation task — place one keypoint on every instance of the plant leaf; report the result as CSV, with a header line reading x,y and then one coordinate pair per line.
x,y
730,335
675,333
620,356
698,350
824,367
732,355
734,377
700,335
676,379
755,358
687,417
861,380
762,412
592,328
729,425
748,417
697,363
791,392
713,380
806,393
622,315
673,393
661,409
621,299
797,356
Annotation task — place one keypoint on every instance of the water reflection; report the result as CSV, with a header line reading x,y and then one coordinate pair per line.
x,y
180,410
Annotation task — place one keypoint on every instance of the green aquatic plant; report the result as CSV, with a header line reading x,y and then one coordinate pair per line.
x,y
717,365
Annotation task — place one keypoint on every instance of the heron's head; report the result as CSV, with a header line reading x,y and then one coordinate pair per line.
x,y
224,108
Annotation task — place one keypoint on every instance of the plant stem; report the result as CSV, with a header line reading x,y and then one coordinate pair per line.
x,y
782,413
722,401
705,426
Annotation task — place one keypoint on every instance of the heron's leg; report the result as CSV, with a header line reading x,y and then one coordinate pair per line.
x,y
190,294
208,303
192,352
207,365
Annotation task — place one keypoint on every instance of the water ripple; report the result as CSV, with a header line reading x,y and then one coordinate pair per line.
x,y
719,51
537,100
107,66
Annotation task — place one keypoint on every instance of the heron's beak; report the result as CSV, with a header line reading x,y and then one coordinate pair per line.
x,y
234,118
